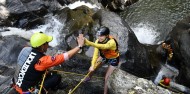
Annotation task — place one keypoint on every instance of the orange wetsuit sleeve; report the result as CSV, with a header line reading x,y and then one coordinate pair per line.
x,y
46,62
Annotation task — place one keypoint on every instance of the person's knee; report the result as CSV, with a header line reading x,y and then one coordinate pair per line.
x,y
57,78
54,79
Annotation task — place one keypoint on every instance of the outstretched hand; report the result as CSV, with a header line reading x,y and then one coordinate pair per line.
x,y
80,40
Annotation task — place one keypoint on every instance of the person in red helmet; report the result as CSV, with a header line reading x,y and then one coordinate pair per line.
x,y
33,63
165,82
105,51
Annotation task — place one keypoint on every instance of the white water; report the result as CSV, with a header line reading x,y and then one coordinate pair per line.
x,y
4,13
145,33
52,28
3,2
80,3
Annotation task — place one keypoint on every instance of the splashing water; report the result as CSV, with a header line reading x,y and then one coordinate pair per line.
x,y
4,13
2,2
145,33
167,71
80,3
52,28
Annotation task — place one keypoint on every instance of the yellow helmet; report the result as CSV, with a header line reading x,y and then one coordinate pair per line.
x,y
39,39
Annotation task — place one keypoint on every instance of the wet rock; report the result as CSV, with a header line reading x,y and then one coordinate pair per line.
x,y
28,21
130,2
94,86
132,52
134,55
18,6
28,13
75,19
6,73
10,48
4,13
142,15
121,82
181,38
117,5
66,2
136,58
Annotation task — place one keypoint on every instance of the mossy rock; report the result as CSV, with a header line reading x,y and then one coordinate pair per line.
x,y
79,18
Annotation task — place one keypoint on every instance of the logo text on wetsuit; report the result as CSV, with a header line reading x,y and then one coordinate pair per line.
x,y
25,68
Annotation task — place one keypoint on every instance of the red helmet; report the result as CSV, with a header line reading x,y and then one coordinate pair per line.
x,y
167,81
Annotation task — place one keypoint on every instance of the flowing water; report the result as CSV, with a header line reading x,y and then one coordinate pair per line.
x,y
52,27
154,19
151,20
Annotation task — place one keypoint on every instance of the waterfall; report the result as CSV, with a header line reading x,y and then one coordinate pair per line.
x,y
52,27
145,33
81,3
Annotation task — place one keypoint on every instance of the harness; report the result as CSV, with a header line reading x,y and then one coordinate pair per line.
x,y
31,90
27,77
107,53
19,90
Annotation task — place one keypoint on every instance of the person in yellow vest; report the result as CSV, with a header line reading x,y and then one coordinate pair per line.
x,y
107,46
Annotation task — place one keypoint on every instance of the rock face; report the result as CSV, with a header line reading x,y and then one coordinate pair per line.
x,y
158,16
181,40
9,52
136,58
117,5
4,13
10,48
121,82
28,13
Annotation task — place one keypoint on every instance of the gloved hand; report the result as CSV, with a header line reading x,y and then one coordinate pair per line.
x,y
91,68
170,56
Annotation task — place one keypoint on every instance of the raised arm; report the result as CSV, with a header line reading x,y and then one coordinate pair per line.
x,y
110,44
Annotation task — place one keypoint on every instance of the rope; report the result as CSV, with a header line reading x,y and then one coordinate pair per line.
x,y
41,85
70,92
77,74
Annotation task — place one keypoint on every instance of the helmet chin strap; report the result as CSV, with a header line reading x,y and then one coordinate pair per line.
x,y
106,40
41,49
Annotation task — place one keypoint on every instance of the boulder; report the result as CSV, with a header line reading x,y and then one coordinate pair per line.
x,y
117,5
181,39
121,82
